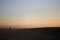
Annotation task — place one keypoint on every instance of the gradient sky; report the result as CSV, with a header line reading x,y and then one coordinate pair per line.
x,y
30,13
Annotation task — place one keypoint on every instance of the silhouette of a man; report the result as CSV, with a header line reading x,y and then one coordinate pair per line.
x,y
9,27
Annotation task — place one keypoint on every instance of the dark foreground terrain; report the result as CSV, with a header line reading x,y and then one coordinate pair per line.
x,y
30,34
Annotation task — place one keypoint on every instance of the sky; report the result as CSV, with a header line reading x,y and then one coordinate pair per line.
x,y
29,13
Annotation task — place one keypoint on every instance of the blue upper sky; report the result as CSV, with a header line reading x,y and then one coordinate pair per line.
x,y
28,6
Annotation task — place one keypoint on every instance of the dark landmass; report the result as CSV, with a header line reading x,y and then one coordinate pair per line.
x,y
48,33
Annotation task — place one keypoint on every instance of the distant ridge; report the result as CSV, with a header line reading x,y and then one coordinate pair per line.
x,y
33,28
44,28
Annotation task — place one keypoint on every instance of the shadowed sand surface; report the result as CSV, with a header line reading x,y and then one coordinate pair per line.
x,y
30,34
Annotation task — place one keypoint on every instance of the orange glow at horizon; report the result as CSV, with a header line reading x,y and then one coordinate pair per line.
x,y
32,24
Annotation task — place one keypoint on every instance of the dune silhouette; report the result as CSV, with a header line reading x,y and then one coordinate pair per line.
x,y
51,33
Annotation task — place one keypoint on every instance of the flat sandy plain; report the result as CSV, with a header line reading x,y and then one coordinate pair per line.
x,y
51,33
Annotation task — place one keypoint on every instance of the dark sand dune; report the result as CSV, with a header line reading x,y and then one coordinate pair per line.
x,y
30,34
